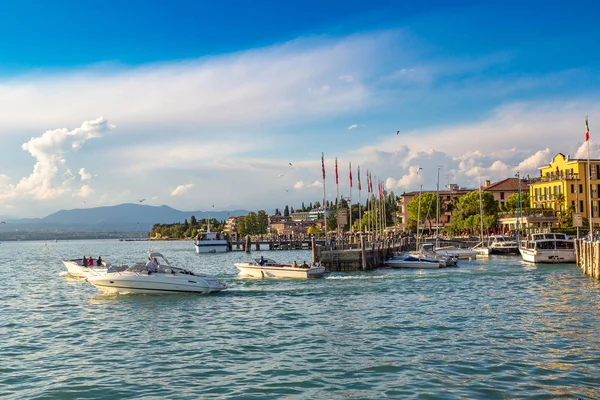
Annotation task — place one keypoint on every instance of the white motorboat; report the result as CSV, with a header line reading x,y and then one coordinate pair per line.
x,y
210,242
406,260
427,250
453,251
500,244
548,248
165,279
77,270
481,249
272,269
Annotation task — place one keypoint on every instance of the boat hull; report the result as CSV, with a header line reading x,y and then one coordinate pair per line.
x,y
504,250
548,256
412,264
211,246
257,271
122,283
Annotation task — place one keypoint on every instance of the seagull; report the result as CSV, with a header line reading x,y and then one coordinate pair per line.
x,y
140,200
280,175
290,164
397,132
83,201
287,190
3,222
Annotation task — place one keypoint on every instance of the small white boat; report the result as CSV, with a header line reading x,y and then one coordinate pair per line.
x,y
453,251
210,242
414,261
481,249
77,270
548,248
166,279
272,269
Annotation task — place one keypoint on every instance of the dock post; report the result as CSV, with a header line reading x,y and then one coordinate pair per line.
x,y
363,252
248,244
313,250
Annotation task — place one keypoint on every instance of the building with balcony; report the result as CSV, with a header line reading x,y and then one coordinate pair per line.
x,y
564,184
505,188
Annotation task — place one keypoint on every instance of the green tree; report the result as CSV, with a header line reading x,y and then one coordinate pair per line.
x,y
467,214
193,221
512,203
262,222
427,209
286,211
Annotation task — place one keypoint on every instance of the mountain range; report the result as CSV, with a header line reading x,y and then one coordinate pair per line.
x,y
119,218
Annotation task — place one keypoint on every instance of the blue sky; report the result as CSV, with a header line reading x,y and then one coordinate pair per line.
x,y
198,103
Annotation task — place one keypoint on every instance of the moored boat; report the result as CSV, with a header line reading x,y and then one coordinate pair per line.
x,y
164,279
406,260
268,268
548,248
500,244
210,242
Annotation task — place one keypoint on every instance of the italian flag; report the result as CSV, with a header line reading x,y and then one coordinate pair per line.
x,y
587,130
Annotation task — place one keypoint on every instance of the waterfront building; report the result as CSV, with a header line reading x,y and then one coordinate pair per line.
x,y
505,188
564,185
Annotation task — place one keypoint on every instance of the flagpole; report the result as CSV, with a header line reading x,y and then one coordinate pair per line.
x,y
589,174
359,204
350,168
324,194
337,195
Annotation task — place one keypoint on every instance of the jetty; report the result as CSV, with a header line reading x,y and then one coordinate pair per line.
x,y
587,256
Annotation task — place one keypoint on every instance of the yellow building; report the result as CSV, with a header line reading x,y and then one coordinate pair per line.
x,y
563,183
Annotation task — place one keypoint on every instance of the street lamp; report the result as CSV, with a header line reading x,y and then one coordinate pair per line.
x,y
518,175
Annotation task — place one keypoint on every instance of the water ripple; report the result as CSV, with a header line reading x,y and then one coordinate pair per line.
x,y
494,328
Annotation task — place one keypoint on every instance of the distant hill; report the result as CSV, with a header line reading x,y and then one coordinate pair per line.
x,y
120,218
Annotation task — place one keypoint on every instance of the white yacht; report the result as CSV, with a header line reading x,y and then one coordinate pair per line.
x,y
500,244
548,248
453,251
165,279
210,242
268,268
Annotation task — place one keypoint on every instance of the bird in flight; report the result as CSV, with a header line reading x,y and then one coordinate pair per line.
x,y
280,175
83,201
397,132
3,222
140,200
290,164
287,190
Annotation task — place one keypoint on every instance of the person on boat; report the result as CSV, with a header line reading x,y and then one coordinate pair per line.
x,y
262,260
151,266
84,262
156,264
90,262
294,264
99,261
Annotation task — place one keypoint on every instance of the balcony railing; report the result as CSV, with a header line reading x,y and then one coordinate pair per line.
x,y
560,177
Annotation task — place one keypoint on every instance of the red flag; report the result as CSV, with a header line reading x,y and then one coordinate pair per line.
x,y
323,165
350,167
358,178
371,183
336,172
587,130
380,190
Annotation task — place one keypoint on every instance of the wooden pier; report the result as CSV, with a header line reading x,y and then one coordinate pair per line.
x,y
587,255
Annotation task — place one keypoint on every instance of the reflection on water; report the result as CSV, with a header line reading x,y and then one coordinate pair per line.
x,y
492,328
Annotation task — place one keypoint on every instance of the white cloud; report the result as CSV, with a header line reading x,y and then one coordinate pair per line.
x,y
317,184
353,126
346,78
49,150
298,185
181,189
85,191
85,176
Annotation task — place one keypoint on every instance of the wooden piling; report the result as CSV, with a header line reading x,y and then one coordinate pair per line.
x,y
247,247
587,256
313,250
363,251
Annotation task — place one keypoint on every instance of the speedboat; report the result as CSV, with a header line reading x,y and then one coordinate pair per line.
x,y
77,270
165,279
272,269
406,260
210,242
427,250
548,248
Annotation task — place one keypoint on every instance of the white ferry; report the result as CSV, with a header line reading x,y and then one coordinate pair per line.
x,y
548,248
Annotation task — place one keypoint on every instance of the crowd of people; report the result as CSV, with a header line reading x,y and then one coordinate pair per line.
x,y
90,261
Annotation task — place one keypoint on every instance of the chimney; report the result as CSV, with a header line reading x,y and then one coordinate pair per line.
x,y
487,182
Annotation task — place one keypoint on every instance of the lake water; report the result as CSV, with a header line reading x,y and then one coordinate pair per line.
x,y
492,328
